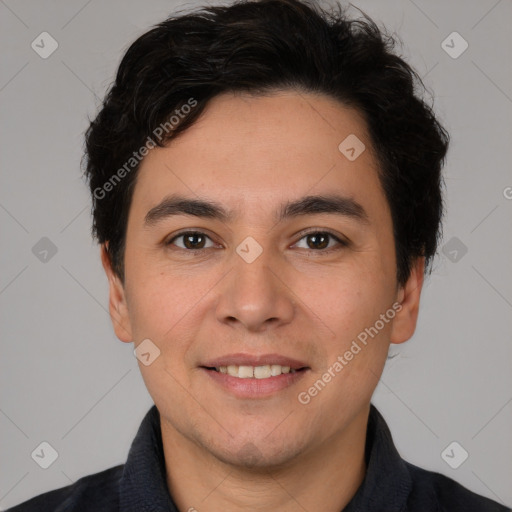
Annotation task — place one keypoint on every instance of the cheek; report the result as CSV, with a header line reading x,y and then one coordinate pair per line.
x,y
348,299
162,309
156,303
351,304
170,309
355,355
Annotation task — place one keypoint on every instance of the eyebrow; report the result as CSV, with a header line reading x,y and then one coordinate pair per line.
x,y
308,205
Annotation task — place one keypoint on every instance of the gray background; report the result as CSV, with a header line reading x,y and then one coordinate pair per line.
x,y
67,380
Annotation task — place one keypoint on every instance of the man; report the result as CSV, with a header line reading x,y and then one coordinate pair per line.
x,y
267,194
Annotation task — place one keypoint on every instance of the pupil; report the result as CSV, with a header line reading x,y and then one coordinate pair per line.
x,y
319,241
191,241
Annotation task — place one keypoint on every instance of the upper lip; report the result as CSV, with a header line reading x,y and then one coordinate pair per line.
x,y
254,360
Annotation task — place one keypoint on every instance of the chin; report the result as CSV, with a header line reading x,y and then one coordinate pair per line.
x,y
257,455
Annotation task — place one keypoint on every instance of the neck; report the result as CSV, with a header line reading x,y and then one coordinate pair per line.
x,y
324,479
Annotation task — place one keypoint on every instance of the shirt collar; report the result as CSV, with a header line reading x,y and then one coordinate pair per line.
x,y
143,486
387,483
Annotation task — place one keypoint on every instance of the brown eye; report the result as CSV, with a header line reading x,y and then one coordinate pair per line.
x,y
191,240
321,241
318,240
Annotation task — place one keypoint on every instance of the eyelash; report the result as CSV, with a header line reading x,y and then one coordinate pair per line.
x,y
341,243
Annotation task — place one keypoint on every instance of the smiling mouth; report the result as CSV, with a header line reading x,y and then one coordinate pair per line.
x,y
255,372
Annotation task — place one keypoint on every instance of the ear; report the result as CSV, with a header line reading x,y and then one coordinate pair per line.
x,y
404,323
117,300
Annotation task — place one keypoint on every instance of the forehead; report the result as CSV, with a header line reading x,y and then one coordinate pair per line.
x,y
249,151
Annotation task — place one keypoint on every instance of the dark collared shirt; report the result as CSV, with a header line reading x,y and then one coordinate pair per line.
x,y
390,484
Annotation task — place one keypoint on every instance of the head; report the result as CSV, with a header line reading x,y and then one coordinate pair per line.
x,y
294,144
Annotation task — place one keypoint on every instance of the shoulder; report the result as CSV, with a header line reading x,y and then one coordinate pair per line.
x,y
429,487
98,492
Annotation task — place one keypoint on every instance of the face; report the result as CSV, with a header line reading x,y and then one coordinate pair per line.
x,y
288,265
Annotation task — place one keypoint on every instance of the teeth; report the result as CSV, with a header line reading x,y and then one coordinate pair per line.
x,y
262,372
257,372
246,372
276,369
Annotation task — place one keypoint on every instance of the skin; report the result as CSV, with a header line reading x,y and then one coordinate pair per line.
x,y
251,153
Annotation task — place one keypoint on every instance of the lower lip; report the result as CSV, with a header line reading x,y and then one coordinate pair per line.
x,y
255,388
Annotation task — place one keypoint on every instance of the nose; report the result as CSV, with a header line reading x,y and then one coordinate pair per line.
x,y
255,295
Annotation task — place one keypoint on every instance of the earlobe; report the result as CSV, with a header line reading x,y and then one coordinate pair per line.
x,y
404,323
117,300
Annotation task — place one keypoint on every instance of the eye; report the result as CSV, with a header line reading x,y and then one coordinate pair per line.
x,y
320,241
191,240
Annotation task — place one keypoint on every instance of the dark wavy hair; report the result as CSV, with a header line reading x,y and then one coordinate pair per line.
x,y
260,46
